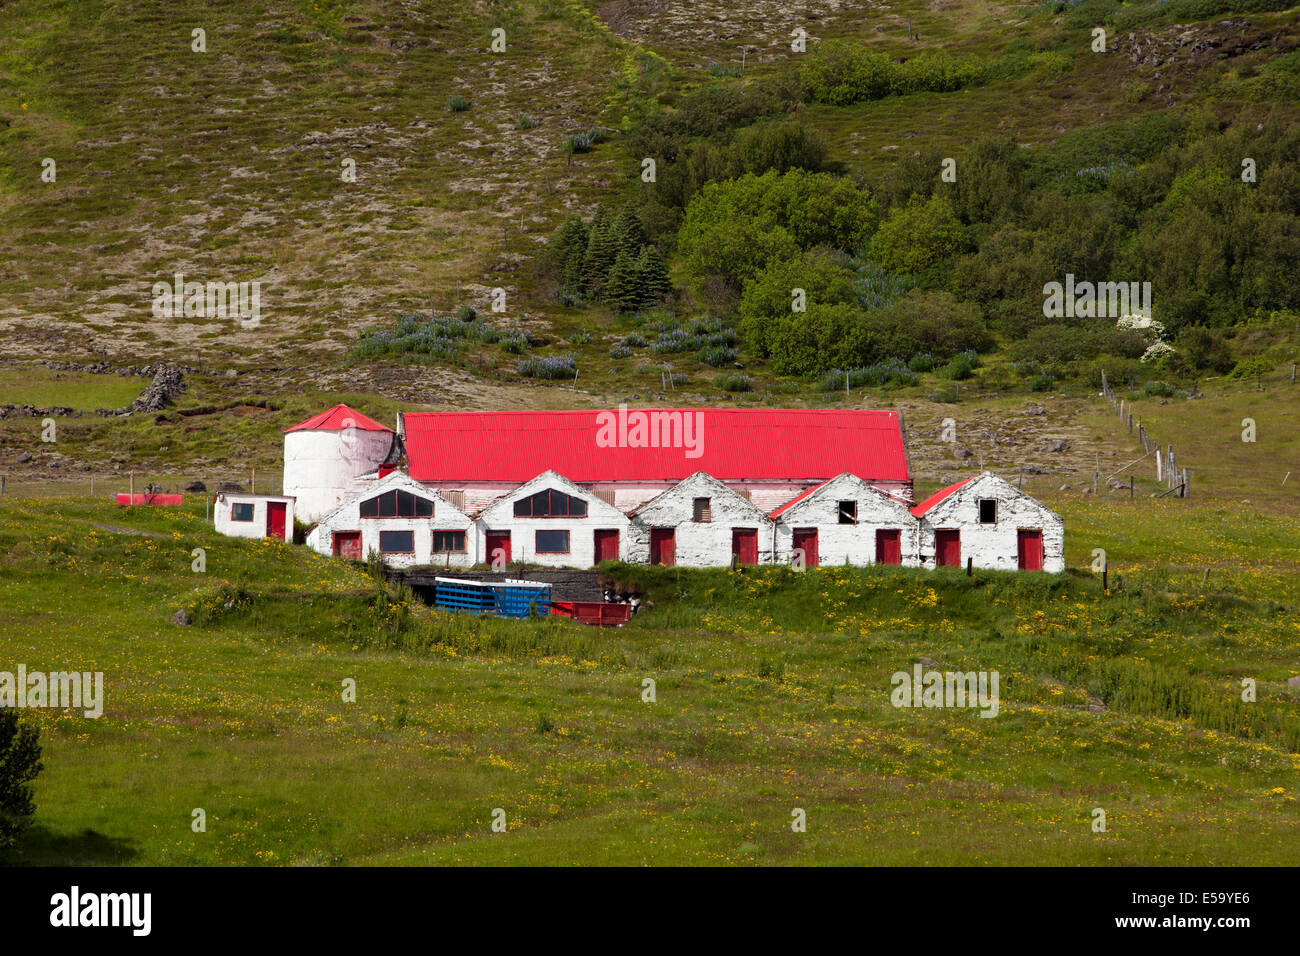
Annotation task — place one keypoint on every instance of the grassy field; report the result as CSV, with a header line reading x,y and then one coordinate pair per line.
x,y
772,688
772,694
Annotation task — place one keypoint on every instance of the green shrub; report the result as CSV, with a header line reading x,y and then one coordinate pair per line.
x,y
551,367
20,762
733,383
914,237
841,72
458,104
732,230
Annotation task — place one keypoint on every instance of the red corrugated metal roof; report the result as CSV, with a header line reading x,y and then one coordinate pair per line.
x,y
338,418
938,496
734,443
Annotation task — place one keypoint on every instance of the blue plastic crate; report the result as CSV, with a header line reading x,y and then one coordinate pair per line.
x,y
507,599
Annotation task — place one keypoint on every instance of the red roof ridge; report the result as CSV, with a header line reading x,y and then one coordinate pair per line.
x,y
939,496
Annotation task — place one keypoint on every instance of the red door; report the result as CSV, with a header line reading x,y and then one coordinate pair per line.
x,y
889,546
606,545
498,547
805,540
1029,549
947,548
275,519
347,544
663,546
744,545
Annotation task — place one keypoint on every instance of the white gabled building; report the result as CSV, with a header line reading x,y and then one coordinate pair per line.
x,y
700,522
401,520
550,520
243,515
846,521
992,524
334,455
693,487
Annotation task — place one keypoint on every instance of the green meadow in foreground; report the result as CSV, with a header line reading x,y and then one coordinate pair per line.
x,y
772,693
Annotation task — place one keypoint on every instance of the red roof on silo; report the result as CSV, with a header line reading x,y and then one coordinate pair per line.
x,y
338,418
733,443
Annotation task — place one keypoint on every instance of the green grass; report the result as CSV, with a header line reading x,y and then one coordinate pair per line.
x,y
76,390
772,694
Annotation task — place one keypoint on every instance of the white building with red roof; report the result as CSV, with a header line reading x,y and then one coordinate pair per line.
x,y
991,524
333,456
694,487
629,456
846,520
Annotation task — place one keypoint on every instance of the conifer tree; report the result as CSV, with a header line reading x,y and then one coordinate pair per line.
x,y
629,233
622,290
652,276
600,256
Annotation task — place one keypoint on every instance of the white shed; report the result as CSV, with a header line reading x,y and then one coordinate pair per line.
x,y
552,521
846,521
404,522
332,456
993,524
253,516
700,522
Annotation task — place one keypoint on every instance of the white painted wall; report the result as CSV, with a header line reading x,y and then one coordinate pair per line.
x,y
699,543
324,467
446,517
993,547
768,495
500,516
854,543
222,508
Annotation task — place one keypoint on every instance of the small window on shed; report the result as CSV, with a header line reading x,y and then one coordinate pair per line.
x,y
703,509
242,511
848,512
988,511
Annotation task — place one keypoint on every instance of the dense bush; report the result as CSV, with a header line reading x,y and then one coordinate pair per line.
x,y
20,762
733,229
841,335
552,366
841,72
733,383
891,372
824,276
442,337
916,236
775,145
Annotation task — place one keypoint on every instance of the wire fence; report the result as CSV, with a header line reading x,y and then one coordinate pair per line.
x,y
192,485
